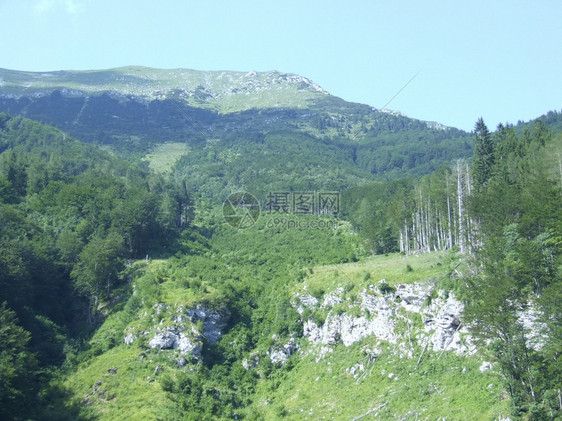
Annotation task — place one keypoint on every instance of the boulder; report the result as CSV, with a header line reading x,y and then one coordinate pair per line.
x,y
166,339
486,366
280,353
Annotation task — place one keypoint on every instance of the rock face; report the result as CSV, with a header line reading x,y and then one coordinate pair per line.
x,y
333,298
442,321
181,329
349,329
280,353
174,338
529,319
376,314
252,361
213,322
306,301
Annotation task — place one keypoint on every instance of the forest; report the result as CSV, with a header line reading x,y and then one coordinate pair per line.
x,y
502,212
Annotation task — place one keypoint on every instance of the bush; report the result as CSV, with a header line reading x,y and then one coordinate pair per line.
x,y
317,292
385,288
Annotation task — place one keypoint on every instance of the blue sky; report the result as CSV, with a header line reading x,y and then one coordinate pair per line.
x,y
501,60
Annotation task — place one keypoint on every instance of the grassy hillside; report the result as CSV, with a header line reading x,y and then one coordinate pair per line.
x,y
343,384
450,387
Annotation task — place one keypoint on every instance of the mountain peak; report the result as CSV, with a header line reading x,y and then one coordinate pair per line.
x,y
224,91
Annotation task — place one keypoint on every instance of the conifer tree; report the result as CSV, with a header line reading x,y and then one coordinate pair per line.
x,y
483,154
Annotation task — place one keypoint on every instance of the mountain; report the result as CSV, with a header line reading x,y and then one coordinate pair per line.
x,y
128,292
224,92
134,110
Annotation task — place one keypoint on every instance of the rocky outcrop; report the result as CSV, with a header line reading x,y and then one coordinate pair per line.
x,y
281,352
175,338
214,322
333,298
306,301
349,329
374,313
252,361
443,325
176,328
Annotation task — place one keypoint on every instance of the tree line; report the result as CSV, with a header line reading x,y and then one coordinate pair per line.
x,y
71,217
502,213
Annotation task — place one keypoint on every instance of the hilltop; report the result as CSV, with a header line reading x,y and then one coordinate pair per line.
x,y
221,91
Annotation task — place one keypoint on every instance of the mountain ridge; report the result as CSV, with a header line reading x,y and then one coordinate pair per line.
x,y
223,91
132,110
200,88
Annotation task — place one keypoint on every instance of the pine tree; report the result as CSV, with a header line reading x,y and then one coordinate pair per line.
x,y
483,154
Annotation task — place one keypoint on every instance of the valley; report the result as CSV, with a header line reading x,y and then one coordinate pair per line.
x,y
431,291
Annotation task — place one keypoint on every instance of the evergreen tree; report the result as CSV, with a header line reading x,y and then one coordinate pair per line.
x,y
483,154
17,368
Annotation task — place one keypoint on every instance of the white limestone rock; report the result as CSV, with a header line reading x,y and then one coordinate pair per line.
x,y
486,366
280,353
377,317
306,301
175,329
333,298
252,361
164,340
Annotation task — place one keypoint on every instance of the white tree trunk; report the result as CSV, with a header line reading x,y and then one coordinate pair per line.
x,y
450,227
438,231
460,194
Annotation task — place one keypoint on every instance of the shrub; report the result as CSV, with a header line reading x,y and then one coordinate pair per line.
x,y
385,288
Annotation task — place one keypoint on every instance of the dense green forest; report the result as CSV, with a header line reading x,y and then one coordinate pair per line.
x,y
93,247
73,220
516,206
72,216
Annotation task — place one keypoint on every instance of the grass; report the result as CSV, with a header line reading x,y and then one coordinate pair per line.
x,y
395,268
450,387
126,394
177,285
164,156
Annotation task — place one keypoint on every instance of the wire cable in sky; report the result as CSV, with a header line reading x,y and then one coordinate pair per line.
x,y
401,89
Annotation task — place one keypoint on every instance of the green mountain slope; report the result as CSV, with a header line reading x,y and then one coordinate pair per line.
x,y
125,293
71,215
134,110
252,372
